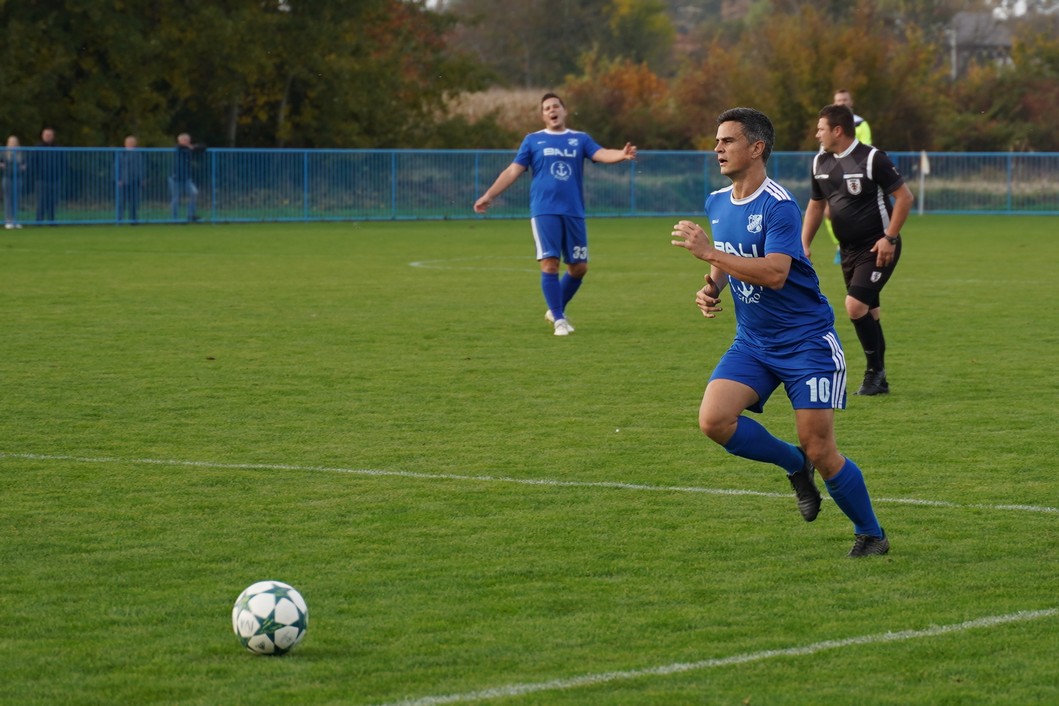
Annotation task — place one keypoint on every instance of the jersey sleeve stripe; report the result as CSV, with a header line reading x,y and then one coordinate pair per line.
x,y
777,191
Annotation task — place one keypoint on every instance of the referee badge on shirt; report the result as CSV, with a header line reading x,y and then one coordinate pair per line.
x,y
853,185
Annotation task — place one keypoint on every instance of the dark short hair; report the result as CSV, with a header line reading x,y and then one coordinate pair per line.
x,y
839,116
756,127
546,96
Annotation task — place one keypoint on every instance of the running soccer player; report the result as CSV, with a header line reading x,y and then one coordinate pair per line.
x,y
556,155
785,330
857,182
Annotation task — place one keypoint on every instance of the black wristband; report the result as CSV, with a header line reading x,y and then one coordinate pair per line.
x,y
892,239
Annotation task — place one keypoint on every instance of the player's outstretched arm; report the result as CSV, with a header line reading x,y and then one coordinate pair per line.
x,y
507,177
607,156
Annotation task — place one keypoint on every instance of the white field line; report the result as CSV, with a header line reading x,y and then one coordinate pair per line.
x,y
616,485
451,264
589,680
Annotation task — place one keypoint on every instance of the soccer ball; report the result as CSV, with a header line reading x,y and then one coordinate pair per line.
x,y
270,617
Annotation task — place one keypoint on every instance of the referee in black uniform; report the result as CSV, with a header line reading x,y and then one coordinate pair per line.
x,y
869,203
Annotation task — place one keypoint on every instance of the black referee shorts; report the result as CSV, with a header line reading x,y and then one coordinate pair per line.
x,y
864,281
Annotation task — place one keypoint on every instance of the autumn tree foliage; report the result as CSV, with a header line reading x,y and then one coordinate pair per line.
x,y
1010,107
789,65
787,57
620,101
325,73
384,73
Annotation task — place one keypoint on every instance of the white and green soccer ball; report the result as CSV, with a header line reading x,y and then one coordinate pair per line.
x,y
270,617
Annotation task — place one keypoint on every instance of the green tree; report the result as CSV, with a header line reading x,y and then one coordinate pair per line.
x,y
84,68
642,33
332,73
531,43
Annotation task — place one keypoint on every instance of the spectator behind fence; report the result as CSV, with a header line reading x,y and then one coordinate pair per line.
x,y
131,177
47,164
180,181
13,165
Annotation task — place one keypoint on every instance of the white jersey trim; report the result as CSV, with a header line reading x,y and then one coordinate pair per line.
x,y
838,380
773,188
536,239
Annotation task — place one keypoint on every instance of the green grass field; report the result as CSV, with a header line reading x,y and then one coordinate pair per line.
x,y
479,512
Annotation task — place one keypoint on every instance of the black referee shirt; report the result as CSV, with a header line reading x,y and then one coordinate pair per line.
x,y
856,184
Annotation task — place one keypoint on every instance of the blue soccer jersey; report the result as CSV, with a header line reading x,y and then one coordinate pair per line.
x,y
769,221
557,161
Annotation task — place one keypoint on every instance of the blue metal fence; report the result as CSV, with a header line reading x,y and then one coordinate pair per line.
x,y
49,186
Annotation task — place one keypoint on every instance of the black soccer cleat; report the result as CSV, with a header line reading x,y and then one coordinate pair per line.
x,y
874,383
866,545
805,490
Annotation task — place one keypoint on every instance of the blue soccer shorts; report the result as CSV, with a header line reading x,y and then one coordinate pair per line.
x,y
813,373
564,237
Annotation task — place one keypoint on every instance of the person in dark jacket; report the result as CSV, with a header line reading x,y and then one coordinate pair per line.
x,y
47,163
180,182
131,177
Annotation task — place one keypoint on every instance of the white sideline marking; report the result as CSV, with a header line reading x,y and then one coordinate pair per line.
x,y
617,485
443,264
679,667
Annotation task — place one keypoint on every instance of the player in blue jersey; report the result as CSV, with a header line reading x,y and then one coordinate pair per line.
x,y
556,155
785,332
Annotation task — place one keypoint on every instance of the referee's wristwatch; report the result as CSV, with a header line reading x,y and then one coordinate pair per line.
x,y
892,239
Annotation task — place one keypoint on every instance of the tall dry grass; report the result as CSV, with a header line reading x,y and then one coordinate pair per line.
x,y
517,109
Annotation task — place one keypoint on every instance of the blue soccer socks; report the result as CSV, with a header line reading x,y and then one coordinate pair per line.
x,y
753,441
553,294
850,493
569,286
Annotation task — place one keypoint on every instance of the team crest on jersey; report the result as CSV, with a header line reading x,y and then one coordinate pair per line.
x,y
572,141
753,223
747,292
876,276
853,186
561,171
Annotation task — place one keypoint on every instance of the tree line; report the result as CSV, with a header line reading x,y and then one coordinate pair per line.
x,y
385,73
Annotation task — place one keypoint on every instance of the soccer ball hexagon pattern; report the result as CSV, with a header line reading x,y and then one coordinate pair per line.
x,y
270,617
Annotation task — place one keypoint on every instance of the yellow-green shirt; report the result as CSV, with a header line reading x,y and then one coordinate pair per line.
x,y
861,129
